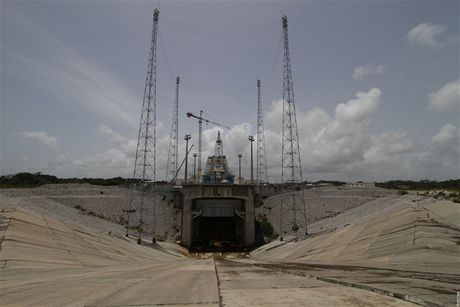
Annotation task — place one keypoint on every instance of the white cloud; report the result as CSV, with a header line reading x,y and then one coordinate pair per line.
x,y
361,107
327,143
447,98
446,144
447,133
426,35
338,146
387,146
113,135
441,158
368,70
39,136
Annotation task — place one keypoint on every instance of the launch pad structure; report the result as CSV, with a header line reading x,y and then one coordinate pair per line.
x,y
214,208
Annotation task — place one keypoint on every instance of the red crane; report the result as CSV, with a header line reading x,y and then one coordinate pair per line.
x,y
200,134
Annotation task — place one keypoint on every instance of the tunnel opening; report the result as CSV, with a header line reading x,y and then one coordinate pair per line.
x,y
218,225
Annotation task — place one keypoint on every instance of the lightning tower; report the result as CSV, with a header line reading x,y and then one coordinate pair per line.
x,y
200,143
290,161
172,164
145,159
261,163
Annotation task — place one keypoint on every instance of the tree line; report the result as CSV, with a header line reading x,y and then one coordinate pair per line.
x,y
38,179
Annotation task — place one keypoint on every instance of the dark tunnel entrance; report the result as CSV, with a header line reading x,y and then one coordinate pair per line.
x,y
218,225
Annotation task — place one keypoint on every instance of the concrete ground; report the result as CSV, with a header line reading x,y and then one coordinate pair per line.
x,y
412,250
45,262
243,284
405,247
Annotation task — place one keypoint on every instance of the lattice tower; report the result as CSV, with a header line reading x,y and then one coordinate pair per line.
x,y
261,156
291,161
145,158
172,163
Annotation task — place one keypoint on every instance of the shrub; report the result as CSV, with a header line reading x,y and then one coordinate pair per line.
x,y
266,228
441,194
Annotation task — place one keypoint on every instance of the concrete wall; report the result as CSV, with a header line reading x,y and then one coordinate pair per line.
x,y
193,192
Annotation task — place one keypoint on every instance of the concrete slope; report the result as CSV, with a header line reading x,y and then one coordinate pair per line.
x,y
419,236
45,262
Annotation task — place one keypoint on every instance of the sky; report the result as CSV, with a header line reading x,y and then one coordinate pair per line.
x,y
376,84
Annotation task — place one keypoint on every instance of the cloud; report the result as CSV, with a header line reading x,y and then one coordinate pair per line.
x,y
446,134
447,98
336,146
39,136
113,135
446,143
388,146
441,158
426,35
327,143
361,107
368,70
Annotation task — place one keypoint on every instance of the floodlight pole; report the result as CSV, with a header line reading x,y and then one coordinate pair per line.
x,y
239,168
251,139
187,138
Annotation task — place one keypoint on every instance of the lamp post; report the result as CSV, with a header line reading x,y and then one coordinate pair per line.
x,y
251,139
239,168
194,167
187,138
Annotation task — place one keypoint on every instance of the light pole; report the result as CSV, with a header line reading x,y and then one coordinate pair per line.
x,y
194,167
239,168
251,139
187,137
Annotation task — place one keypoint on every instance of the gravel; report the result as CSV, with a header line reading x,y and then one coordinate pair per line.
x,y
320,203
104,208
100,208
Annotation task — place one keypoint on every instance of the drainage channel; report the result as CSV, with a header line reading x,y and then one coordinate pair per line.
x,y
219,293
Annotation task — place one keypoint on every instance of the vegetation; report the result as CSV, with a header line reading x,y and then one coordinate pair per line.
x,y
264,227
29,180
451,185
331,182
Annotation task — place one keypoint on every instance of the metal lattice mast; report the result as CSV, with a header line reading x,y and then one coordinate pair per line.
x,y
145,159
172,164
261,171
290,161
200,144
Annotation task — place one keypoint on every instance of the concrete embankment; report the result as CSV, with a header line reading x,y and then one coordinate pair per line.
x,y
407,245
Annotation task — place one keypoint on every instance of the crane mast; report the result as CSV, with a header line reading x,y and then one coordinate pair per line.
x,y
200,134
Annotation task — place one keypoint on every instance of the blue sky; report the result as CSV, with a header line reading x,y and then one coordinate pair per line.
x,y
376,83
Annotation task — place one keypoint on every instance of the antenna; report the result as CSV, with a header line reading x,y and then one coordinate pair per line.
x,y
171,167
290,162
145,160
261,156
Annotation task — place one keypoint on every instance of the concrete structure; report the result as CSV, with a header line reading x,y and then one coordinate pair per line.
x,y
360,184
218,212
45,262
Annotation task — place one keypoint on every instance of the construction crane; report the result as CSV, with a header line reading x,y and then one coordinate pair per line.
x,y
200,134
